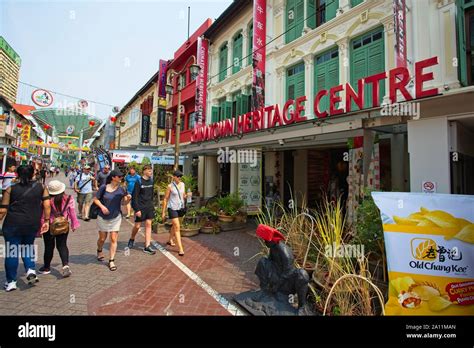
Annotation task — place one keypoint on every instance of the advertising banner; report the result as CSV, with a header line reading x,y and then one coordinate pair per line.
x,y
429,242
162,79
25,136
201,81
259,52
161,118
145,130
250,185
399,12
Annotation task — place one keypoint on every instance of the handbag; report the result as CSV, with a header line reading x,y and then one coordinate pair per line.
x,y
183,210
95,209
60,224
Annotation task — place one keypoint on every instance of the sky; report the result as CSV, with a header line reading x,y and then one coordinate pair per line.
x,y
97,50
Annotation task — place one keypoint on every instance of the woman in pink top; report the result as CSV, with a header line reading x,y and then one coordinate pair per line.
x,y
59,202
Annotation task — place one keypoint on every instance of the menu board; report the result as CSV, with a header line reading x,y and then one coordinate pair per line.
x,y
250,185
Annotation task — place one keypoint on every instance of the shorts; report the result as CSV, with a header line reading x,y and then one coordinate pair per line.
x,y
112,225
85,197
147,214
173,214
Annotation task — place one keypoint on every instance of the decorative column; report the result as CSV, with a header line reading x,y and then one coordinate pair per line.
x,y
230,61
245,47
309,83
344,72
280,90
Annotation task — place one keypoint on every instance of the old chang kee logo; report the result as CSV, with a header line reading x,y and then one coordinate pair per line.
x,y
432,257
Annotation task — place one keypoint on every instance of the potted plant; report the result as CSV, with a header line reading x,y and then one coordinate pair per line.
x,y
226,209
157,223
209,227
189,224
241,216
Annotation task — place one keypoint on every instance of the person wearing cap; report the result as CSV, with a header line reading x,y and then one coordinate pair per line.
x,y
174,202
60,202
83,187
110,198
277,272
103,175
142,203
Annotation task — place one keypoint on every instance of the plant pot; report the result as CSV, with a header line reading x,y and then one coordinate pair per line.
x,y
159,228
210,230
241,219
225,218
189,232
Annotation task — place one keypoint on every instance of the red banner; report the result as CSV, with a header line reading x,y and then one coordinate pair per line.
x,y
162,79
400,25
201,81
259,52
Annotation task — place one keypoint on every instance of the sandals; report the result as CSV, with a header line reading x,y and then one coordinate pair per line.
x,y
112,268
171,244
99,258
181,254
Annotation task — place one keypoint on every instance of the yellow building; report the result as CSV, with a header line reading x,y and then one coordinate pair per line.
x,y
10,63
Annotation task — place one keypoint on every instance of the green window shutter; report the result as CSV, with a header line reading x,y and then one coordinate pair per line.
x,y
356,2
299,85
290,21
299,19
237,56
223,63
238,105
222,111
358,71
331,9
326,76
215,114
228,110
461,36
311,11
245,104
250,45
376,64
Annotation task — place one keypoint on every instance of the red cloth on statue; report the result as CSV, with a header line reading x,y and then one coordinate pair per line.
x,y
268,234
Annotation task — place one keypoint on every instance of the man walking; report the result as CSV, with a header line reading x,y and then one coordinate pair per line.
x,y
83,187
102,176
131,178
142,203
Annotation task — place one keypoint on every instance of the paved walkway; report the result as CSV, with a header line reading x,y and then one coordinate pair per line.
x,y
203,282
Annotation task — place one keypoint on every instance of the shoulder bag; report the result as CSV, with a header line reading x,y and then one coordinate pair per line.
x,y
183,210
60,224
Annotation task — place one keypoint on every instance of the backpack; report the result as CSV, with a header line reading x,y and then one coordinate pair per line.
x,y
60,224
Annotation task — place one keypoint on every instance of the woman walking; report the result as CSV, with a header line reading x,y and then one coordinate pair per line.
x,y
174,202
21,203
109,198
61,205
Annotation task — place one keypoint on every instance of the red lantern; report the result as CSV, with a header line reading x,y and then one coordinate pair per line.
x,y
19,125
113,119
50,142
46,126
69,142
91,123
86,142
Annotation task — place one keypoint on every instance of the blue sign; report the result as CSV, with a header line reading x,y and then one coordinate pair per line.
x,y
166,160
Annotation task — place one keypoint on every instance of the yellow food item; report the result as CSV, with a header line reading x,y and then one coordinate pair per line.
x,y
427,223
466,234
463,222
402,284
425,291
404,221
424,211
442,219
438,303
416,216
424,248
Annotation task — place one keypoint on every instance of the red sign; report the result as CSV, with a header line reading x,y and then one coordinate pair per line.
x,y
162,78
461,293
259,53
273,116
201,81
399,11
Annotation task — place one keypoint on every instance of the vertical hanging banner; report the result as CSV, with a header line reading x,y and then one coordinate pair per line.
x,y
259,52
145,131
399,12
162,78
201,81
25,137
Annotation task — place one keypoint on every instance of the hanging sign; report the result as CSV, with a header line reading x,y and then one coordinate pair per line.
x,y
259,53
70,129
145,131
399,11
162,78
25,137
201,81
42,97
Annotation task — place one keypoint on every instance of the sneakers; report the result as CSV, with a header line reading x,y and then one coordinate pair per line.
x,y
66,271
44,270
31,276
130,243
155,244
148,250
10,286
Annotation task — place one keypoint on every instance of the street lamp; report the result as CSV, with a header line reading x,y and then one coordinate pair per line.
x,y
194,70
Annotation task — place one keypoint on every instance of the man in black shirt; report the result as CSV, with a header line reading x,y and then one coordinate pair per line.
x,y
102,176
142,203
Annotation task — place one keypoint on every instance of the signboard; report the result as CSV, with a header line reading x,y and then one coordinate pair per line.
x,y
166,160
42,97
399,11
259,53
201,81
145,131
271,116
161,118
3,125
25,137
82,104
70,129
429,242
428,187
250,185
162,78
121,157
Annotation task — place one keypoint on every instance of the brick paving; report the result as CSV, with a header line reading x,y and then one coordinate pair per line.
x,y
143,284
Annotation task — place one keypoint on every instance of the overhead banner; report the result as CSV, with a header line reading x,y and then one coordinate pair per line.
x,y
201,81
25,137
399,11
259,52
429,242
162,78
145,131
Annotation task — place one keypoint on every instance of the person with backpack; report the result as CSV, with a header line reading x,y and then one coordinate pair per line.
x,y
22,204
83,187
142,203
109,199
62,220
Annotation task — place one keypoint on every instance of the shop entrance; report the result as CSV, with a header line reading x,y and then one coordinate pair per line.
x,y
288,175
225,178
462,160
